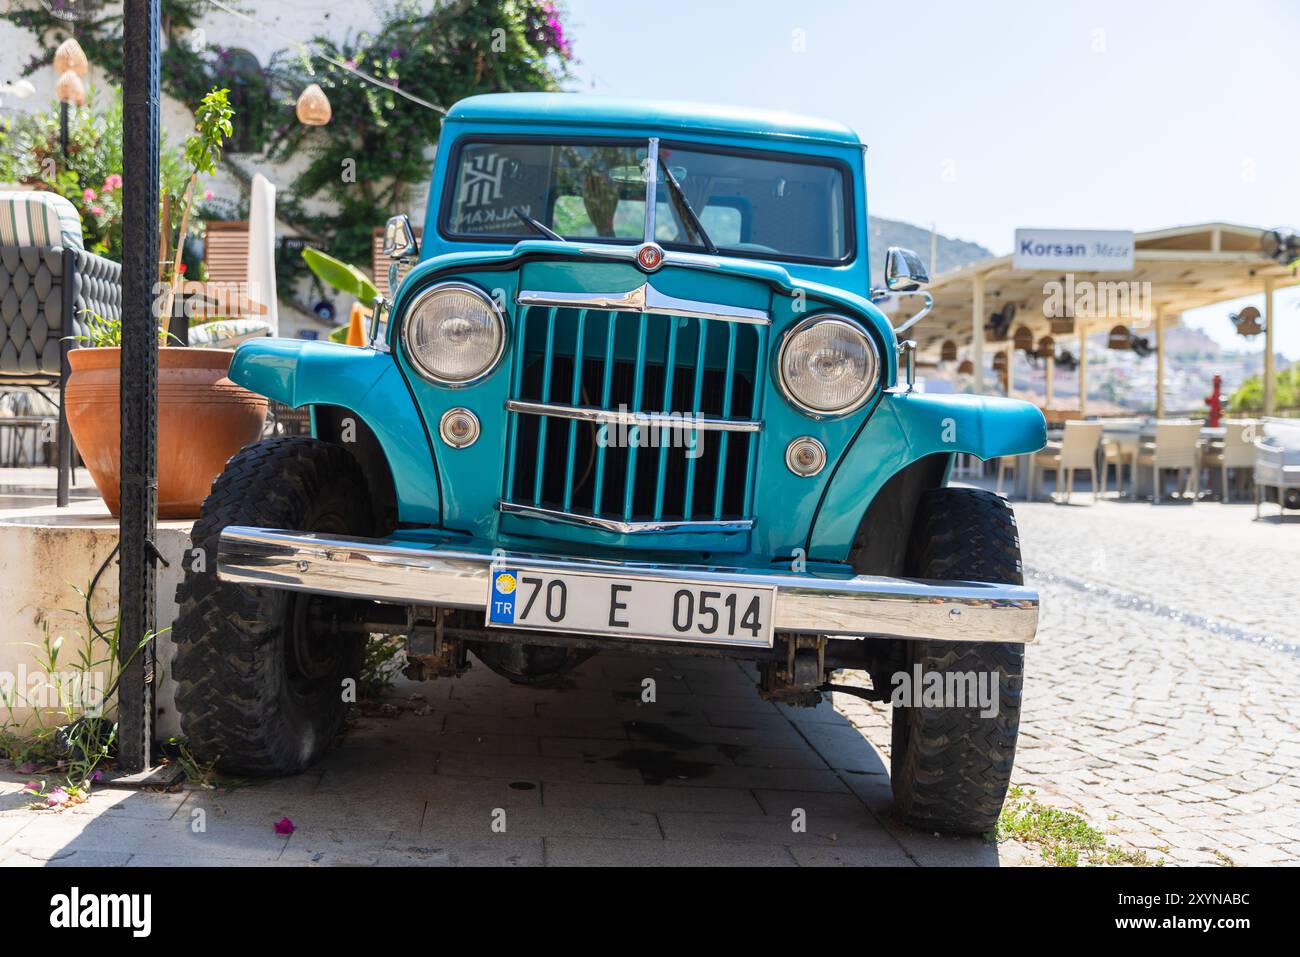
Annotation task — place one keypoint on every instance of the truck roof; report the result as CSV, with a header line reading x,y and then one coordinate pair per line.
x,y
587,110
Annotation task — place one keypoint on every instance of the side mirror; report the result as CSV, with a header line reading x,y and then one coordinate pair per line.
x,y
399,238
904,270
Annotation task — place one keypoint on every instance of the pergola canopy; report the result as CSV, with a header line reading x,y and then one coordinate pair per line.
x,y
1186,266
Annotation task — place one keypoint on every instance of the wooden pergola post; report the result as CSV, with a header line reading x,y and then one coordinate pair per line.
x,y
977,331
1160,361
1269,372
1050,385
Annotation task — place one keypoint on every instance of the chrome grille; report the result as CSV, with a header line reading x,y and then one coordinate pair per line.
x,y
634,375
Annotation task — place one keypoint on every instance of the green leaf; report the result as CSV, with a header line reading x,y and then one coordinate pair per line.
x,y
342,276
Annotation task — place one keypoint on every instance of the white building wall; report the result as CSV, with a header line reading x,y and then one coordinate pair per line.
x,y
280,24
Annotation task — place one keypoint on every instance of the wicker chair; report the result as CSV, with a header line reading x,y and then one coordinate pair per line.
x,y
1077,451
1236,451
48,284
1177,448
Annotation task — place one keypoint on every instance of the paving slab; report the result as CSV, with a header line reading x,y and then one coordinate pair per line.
x,y
1154,708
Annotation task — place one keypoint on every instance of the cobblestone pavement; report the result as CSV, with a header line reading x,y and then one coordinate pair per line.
x,y
1154,704
1169,735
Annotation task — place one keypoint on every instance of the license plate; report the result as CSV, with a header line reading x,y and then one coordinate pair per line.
x,y
656,608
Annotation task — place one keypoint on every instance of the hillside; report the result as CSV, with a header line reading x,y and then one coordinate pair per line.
x,y
951,253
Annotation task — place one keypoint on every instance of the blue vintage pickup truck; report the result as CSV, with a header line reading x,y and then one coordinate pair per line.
x,y
632,392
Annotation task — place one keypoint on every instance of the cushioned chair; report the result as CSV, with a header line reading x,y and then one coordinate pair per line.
x,y
1177,448
1077,451
1235,451
48,282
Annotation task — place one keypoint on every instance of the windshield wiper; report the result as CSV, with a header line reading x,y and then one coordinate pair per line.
x,y
685,211
539,226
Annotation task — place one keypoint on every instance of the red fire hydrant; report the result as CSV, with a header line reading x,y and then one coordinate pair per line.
x,y
1215,401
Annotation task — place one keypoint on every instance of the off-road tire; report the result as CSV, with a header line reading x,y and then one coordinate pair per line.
x,y
950,767
257,690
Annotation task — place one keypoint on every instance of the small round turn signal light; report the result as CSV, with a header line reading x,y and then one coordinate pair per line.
x,y
805,456
459,428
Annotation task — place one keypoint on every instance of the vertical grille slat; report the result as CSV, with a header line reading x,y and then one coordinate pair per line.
x,y
607,381
723,440
599,459
670,367
697,396
634,433
513,426
575,398
755,411
548,368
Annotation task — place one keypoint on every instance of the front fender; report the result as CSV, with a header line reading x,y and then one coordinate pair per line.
x,y
298,372
906,427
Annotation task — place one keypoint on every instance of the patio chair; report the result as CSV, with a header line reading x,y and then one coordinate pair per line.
x,y
48,284
1277,463
1077,451
1176,448
1007,463
1112,455
1236,451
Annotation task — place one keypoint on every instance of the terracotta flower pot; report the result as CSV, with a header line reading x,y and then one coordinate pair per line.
x,y
203,419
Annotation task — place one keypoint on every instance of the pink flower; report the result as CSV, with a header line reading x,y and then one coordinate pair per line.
x,y
89,195
208,194
112,181
284,826
96,210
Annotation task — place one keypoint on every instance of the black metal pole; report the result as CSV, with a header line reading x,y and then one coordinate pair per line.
x,y
139,485
63,129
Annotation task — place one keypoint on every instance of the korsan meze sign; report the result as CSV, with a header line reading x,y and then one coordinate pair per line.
x,y
1074,250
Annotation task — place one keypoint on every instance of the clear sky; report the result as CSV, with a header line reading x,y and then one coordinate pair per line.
x,y
984,116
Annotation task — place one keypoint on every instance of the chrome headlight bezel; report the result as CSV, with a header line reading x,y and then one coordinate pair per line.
x,y
871,380
411,315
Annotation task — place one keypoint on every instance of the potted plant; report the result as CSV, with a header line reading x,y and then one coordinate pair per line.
x,y
203,417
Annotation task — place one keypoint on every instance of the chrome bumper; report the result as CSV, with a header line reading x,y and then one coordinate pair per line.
x,y
405,573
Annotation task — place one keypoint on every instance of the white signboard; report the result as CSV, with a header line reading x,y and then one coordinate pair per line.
x,y
1074,250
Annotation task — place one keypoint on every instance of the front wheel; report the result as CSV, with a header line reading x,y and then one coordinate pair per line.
x,y
950,766
262,683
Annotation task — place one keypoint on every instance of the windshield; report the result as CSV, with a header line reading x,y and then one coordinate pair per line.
x,y
764,205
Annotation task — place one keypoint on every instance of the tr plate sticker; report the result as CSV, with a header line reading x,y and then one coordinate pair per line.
x,y
505,586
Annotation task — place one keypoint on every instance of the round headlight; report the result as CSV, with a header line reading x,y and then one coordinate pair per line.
x,y
454,333
828,365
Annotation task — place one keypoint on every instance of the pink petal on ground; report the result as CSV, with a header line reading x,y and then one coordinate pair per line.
x,y
284,826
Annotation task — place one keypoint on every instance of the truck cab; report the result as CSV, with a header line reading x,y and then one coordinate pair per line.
x,y
633,389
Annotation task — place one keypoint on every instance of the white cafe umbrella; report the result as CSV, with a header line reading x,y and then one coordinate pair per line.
x,y
261,248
